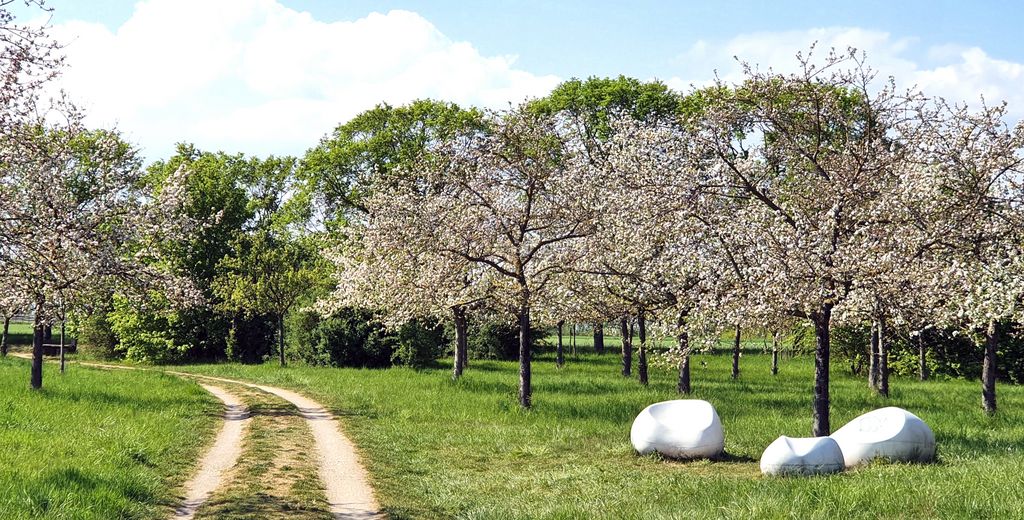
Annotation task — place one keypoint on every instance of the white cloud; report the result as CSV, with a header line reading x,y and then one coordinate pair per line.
x,y
959,74
257,77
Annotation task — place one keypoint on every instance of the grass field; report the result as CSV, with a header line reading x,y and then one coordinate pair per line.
x,y
20,334
439,449
98,444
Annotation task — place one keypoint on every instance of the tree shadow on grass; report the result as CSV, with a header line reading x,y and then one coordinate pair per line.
x,y
136,401
257,506
56,485
273,410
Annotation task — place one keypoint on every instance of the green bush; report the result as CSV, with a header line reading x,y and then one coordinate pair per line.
x,y
354,338
95,334
146,334
493,338
251,339
420,343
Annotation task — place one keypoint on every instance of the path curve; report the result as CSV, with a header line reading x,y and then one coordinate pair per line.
x,y
221,456
345,480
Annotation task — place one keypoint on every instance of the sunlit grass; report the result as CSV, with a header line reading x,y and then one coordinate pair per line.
x,y
98,444
438,448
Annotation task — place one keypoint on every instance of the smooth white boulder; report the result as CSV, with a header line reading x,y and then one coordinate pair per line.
x,y
892,433
802,456
680,429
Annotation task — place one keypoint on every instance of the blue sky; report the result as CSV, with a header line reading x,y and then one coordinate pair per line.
x,y
211,72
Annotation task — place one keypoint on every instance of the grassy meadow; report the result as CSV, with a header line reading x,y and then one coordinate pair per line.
x,y
96,443
20,334
439,449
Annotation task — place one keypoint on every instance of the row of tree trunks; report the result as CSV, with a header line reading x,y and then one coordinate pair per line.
x,y
4,339
627,347
736,354
560,354
775,354
683,385
873,358
599,338
922,367
38,331
62,347
641,361
878,360
525,390
461,341
883,360
988,368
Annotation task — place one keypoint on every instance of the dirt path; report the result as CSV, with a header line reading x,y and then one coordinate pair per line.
x,y
220,457
342,474
344,478
276,476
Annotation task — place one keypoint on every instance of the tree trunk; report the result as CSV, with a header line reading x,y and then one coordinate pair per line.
x,y
459,316
883,360
599,338
525,392
464,359
775,354
280,337
988,368
736,354
62,347
560,351
922,367
641,360
683,386
4,339
572,339
627,347
36,380
873,358
823,343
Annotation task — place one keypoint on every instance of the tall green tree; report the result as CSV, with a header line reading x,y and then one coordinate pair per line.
x,y
380,149
269,276
376,147
234,196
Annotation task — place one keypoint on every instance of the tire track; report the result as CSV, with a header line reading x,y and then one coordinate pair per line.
x,y
345,480
221,456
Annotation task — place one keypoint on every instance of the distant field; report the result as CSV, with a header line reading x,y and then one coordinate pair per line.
x,y
442,449
97,444
20,334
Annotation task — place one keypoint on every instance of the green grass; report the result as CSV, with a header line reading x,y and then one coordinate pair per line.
x,y
438,449
98,444
20,334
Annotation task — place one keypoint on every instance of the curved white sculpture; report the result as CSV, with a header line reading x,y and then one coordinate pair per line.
x,y
891,433
681,429
802,456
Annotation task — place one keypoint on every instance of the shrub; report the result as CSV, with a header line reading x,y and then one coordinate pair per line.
x,y
354,338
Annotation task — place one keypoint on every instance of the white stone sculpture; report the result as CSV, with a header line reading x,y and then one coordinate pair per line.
x,y
802,456
681,429
891,433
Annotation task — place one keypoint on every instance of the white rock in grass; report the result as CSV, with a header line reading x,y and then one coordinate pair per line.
x,y
681,429
892,433
802,456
